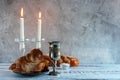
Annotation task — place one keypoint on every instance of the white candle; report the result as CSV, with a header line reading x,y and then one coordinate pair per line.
x,y
21,26
38,45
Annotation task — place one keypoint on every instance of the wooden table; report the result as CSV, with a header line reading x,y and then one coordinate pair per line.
x,y
84,71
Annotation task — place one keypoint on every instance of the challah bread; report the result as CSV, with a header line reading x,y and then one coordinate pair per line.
x,y
69,60
73,61
35,61
32,62
48,58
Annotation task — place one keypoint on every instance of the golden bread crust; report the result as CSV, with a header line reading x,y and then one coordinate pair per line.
x,y
35,61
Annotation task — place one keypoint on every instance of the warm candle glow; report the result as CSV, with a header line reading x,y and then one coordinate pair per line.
x,y
39,15
21,12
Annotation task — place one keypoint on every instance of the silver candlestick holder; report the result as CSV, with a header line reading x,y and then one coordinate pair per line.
x,y
22,43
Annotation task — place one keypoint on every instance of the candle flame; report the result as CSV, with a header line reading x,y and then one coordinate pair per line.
x,y
40,15
21,12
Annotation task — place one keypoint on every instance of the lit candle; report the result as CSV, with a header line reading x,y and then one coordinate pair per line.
x,y
39,31
21,26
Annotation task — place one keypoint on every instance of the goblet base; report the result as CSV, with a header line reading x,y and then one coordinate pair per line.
x,y
53,73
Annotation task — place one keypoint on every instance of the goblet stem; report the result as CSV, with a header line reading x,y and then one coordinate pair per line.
x,y
54,72
54,65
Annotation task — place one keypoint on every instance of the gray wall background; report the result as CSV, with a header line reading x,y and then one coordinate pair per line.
x,y
87,29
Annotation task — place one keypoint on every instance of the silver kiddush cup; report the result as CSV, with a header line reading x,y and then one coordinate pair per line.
x,y
54,53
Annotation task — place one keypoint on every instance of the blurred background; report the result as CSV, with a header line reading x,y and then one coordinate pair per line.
x,y
87,29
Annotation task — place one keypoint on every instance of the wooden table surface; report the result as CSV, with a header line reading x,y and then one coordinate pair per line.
x,y
84,71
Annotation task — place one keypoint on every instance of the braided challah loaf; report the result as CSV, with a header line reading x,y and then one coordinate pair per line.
x,y
32,62
68,59
35,61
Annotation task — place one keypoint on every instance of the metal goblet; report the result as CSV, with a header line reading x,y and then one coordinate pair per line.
x,y
54,53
